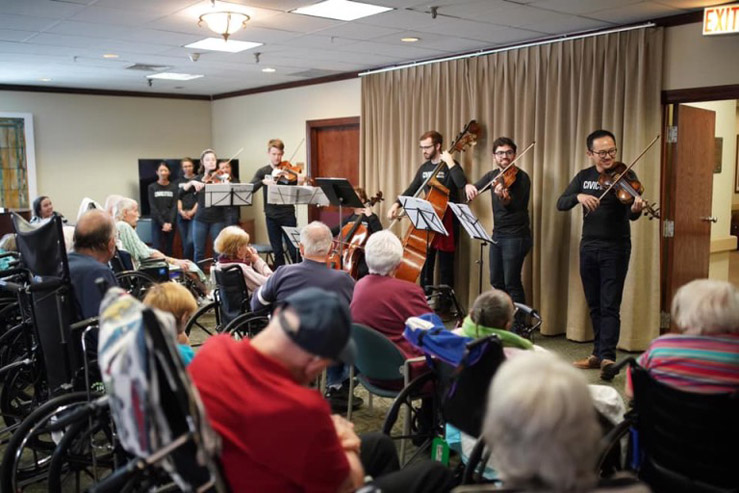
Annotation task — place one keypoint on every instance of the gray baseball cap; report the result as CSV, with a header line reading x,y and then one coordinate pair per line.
x,y
325,324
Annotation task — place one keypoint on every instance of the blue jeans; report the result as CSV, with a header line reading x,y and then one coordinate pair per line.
x,y
603,273
506,261
274,230
200,231
184,226
336,374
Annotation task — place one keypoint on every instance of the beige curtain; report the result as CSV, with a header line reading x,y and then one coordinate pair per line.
x,y
554,94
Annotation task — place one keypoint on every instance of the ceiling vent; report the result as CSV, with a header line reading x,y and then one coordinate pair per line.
x,y
314,73
148,68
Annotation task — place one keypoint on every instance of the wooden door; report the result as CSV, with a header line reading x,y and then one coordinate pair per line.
x,y
687,192
333,152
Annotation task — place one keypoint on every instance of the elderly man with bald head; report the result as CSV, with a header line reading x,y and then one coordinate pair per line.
x,y
94,246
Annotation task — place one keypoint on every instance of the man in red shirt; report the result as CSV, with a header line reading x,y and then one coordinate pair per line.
x,y
278,434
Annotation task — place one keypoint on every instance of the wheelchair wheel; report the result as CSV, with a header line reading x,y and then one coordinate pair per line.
x,y
27,455
425,421
246,325
136,283
20,393
85,455
204,323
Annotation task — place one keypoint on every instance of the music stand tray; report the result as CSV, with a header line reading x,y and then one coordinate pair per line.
x,y
228,194
339,192
422,214
296,195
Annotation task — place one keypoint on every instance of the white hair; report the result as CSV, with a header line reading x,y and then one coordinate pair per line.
x,y
122,206
316,239
383,252
541,425
706,306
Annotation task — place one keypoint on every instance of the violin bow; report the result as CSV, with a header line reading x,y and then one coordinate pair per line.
x,y
235,155
629,167
506,168
300,144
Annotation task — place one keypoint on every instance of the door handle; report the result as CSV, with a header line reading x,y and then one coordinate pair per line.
x,y
710,219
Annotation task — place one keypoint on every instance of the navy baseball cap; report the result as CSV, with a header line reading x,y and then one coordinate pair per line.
x,y
325,324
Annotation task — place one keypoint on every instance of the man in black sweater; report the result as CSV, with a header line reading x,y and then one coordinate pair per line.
x,y
605,247
511,230
278,215
452,178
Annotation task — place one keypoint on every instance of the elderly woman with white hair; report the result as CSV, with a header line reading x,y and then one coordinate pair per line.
x,y
704,356
542,427
126,215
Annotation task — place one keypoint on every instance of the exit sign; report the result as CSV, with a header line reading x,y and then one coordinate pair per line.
x,y
721,19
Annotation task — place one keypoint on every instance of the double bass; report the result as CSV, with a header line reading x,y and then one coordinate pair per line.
x,y
416,241
347,250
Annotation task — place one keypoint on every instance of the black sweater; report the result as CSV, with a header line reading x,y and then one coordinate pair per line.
x,y
453,180
163,202
510,220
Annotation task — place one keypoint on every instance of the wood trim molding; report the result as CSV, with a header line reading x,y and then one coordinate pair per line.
x,y
723,244
713,93
102,92
288,85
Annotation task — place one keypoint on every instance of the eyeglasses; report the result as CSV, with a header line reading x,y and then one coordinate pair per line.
x,y
504,153
608,152
426,148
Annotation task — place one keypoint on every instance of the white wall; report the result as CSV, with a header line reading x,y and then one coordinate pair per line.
x,y
90,145
693,60
723,188
251,121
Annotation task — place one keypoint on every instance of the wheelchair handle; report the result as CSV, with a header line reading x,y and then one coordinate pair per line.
x,y
44,285
80,413
11,286
120,477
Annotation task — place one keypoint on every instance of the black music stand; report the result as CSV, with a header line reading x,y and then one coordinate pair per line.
x,y
293,235
228,194
340,193
423,216
475,230
296,195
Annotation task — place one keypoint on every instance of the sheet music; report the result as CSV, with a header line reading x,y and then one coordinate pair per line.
x,y
296,195
470,223
422,214
293,234
228,194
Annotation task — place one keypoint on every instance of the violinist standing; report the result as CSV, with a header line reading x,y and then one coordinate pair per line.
x,y
207,220
233,213
454,179
605,247
277,215
511,227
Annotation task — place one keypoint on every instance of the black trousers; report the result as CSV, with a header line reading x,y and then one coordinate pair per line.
x,y
380,460
603,272
276,234
506,261
446,268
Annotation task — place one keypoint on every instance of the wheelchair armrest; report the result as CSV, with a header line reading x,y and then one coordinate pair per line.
x,y
80,413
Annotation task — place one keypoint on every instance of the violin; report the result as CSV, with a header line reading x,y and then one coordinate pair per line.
x,y
507,176
286,173
625,185
348,250
627,188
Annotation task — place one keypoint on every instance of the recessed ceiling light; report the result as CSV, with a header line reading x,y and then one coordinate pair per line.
x,y
45,79
218,44
343,10
110,55
410,39
173,76
269,70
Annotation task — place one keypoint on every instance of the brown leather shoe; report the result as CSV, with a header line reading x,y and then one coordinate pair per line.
x,y
592,362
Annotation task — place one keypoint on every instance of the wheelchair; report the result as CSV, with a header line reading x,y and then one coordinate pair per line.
x,y
678,441
52,377
454,388
229,312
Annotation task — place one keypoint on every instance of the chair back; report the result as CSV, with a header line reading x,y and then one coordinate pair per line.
x,y
688,440
378,358
465,387
232,292
53,310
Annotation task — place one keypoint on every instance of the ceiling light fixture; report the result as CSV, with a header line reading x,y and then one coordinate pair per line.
x,y
269,70
173,76
223,22
343,10
45,79
410,39
218,44
110,55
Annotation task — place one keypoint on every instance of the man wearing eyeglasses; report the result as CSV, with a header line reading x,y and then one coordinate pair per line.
x,y
605,248
511,229
452,177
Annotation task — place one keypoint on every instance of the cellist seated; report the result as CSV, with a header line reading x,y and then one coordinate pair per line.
x,y
353,244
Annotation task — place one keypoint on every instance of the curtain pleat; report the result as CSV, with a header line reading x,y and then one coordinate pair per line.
x,y
554,94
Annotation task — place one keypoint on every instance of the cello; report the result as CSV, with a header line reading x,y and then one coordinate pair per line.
x,y
347,251
417,241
